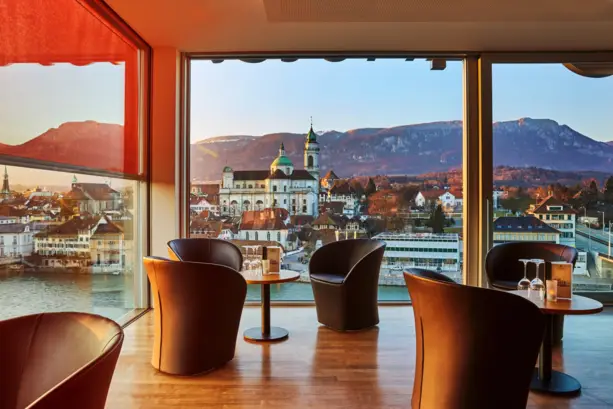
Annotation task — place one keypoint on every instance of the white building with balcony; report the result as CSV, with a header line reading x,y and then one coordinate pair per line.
x,y
282,186
15,240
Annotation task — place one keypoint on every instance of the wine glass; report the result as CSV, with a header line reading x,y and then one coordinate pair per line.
x,y
537,284
524,283
247,260
256,263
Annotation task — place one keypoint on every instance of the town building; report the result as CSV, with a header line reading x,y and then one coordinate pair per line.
x,y
558,215
282,186
15,239
268,225
92,198
524,228
435,251
81,242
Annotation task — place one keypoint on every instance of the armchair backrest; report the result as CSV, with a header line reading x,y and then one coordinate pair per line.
x,y
502,261
476,347
57,360
190,298
341,257
214,251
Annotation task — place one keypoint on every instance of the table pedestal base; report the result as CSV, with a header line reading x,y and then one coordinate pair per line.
x,y
256,334
558,384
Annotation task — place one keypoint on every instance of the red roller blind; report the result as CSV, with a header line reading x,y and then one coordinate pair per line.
x,y
48,32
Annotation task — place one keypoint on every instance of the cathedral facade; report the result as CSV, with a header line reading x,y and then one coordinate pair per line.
x,y
280,186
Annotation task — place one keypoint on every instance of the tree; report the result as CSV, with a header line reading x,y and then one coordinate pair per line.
x,y
592,193
608,190
437,220
370,187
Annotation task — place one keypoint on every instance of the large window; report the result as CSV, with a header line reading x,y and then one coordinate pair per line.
x,y
68,242
71,156
553,159
305,153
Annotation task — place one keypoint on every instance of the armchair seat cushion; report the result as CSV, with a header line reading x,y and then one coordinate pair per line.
x,y
328,278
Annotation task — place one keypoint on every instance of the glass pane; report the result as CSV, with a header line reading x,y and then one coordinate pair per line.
x,y
69,88
311,152
67,243
553,158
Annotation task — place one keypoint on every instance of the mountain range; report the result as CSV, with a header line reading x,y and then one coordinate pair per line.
x,y
88,144
408,149
401,150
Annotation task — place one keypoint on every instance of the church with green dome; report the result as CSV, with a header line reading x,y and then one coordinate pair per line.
x,y
280,186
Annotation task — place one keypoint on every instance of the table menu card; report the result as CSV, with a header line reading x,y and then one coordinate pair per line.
x,y
562,272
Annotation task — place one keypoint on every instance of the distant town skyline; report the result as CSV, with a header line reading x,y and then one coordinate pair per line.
x,y
236,98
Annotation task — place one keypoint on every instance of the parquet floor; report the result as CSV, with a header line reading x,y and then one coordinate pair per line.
x,y
307,371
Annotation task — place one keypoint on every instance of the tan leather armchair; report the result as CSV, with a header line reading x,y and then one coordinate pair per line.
x,y
345,280
197,309
57,360
206,251
475,347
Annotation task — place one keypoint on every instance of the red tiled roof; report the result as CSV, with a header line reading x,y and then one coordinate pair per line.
x,y
267,219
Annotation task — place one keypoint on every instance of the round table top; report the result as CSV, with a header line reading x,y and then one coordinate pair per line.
x,y
577,305
283,276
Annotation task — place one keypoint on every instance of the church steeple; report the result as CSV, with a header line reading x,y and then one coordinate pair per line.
x,y
6,190
311,154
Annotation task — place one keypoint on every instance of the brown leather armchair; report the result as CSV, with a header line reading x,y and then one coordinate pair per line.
x,y
345,280
461,332
206,251
504,270
197,308
57,360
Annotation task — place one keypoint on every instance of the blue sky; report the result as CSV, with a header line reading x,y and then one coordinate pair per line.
x,y
241,98
274,96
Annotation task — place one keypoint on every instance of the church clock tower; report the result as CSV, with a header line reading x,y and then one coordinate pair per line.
x,y
311,154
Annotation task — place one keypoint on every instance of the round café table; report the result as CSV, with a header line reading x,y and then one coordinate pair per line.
x,y
545,379
266,333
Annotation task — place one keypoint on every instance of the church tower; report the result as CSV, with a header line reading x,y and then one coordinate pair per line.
x,y
6,191
311,154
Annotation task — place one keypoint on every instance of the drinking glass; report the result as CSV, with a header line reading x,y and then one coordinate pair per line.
x,y
256,262
524,283
537,284
247,259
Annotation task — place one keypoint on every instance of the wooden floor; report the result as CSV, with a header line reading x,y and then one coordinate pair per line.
x,y
319,368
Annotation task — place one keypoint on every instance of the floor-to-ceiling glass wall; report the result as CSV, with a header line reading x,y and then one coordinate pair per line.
x,y
553,162
299,153
73,197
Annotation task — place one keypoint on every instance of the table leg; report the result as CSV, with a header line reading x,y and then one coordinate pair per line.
x,y
266,332
546,380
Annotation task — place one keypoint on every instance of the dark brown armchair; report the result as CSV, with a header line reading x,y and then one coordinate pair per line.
x,y
460,333
345,280
206,251
197,309
504,270
57,360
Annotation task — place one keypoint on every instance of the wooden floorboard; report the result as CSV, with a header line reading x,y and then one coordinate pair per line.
x,y
320,368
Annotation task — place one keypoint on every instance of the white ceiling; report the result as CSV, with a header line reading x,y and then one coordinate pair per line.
x,y
371,25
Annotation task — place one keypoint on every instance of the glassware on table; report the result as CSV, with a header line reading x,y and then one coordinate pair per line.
x,y
524,283
247,264
256,261
537,284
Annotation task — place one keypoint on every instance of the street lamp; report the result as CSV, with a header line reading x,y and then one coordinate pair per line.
x,y
587,224
602,222
610,226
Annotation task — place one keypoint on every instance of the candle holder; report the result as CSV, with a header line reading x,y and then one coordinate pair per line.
x,y
552,290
